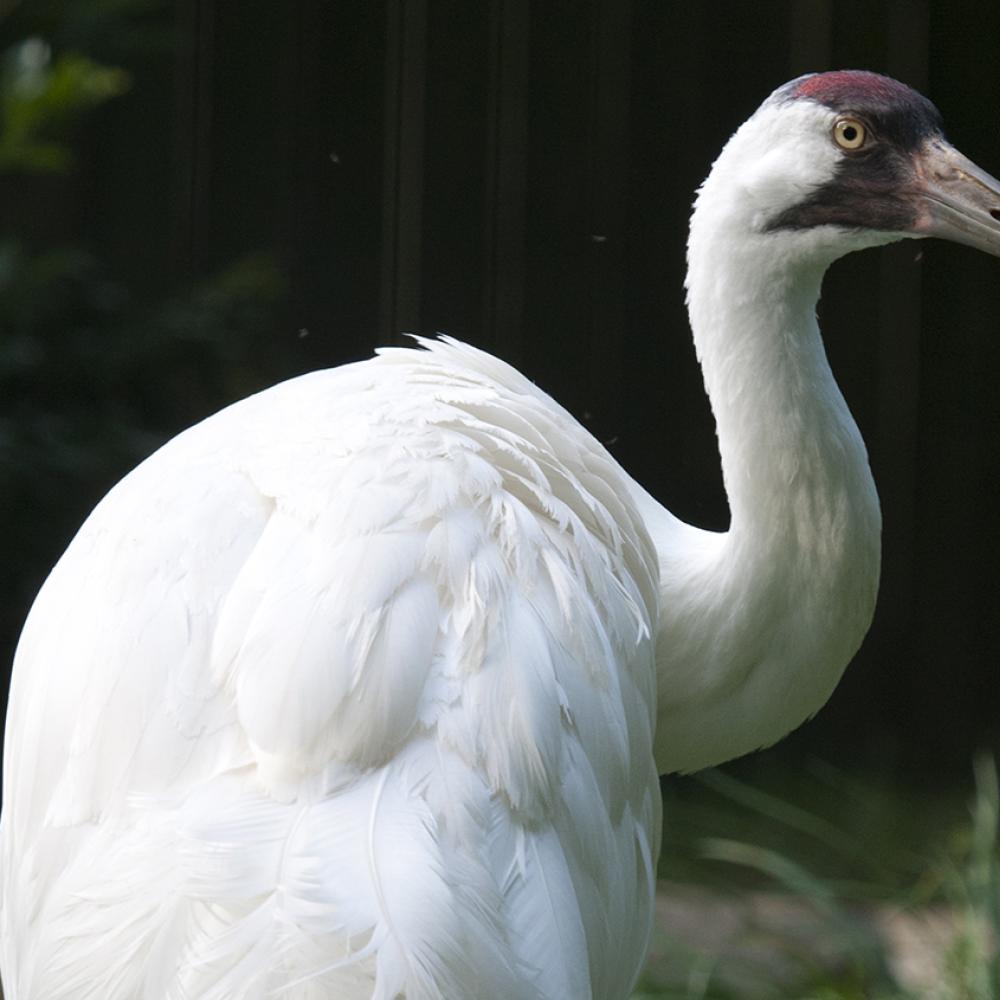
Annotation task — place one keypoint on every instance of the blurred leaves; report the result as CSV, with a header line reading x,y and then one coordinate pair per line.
x,y
971,883
41,97
788,932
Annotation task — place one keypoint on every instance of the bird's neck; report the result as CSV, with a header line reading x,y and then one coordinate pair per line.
x,y
758,623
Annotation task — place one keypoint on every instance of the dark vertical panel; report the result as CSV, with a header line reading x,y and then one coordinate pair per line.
x,y
577,145
607,196
119,197
810,41
506,178
557,307
279,149
403,168
331,234
193,132
455,128
859,39
252,129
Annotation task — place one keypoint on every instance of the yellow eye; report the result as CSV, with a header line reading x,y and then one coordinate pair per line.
x,y
849,133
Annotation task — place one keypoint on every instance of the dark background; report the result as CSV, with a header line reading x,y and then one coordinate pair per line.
x,y
261,188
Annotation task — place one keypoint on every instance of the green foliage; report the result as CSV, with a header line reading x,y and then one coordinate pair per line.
x,y
834,943
970,881
41,97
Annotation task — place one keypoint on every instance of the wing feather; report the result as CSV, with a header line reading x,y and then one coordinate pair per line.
x,y
347,691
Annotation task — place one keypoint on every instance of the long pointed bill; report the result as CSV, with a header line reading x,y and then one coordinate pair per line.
x,y
958,201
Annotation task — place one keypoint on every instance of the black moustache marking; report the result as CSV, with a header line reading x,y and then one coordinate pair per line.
x,y
872,189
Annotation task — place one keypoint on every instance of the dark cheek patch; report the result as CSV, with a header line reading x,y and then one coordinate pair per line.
x,y
834,205
871,192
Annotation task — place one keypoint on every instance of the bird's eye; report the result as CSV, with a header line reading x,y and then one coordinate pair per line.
x,y
849,133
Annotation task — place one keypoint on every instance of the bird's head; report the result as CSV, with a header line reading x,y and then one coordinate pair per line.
x,y
833,162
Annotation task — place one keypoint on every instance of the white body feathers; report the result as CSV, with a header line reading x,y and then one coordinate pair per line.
x,y
346,692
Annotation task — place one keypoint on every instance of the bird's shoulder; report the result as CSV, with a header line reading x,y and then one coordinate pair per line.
x,y
315,573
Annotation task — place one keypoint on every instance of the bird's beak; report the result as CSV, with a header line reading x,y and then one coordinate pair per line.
x,y
958,200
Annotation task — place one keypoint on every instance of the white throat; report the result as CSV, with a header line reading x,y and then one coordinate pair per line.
x,y
758,623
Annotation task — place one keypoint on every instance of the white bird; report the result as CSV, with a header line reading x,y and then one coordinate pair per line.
x,y
350,690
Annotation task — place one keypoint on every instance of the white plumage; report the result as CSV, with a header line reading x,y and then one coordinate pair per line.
x,y
348,683
350,691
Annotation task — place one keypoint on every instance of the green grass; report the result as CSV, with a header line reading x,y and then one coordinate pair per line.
x,y
799,902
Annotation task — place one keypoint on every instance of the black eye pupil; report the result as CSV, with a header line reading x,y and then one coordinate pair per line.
x,y
850,133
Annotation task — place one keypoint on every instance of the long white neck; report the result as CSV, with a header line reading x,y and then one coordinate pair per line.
x,y
757,623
